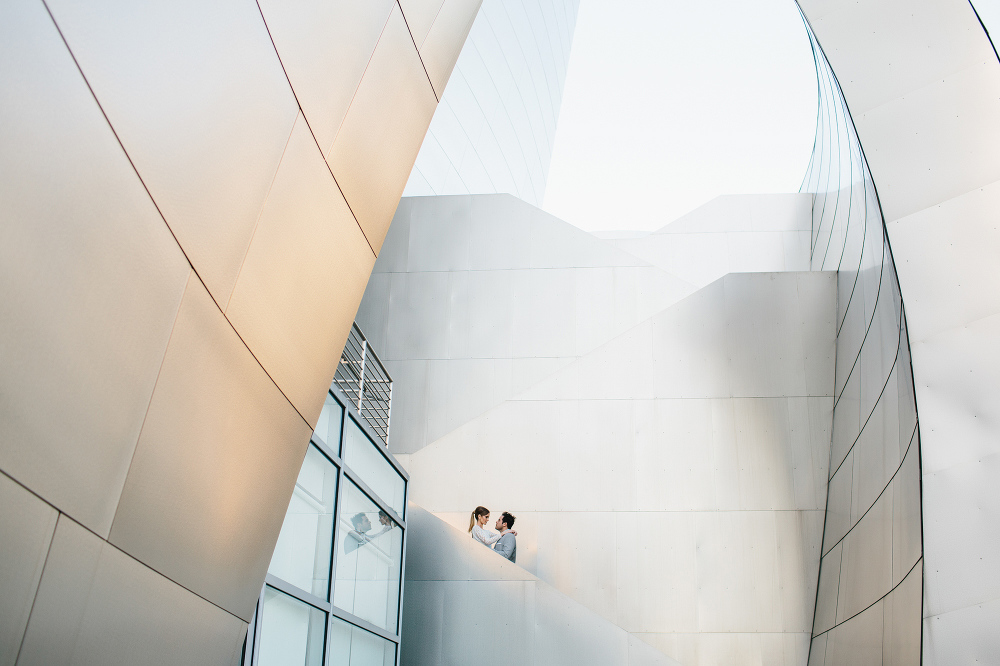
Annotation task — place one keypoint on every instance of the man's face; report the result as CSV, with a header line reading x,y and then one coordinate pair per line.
x,y
501,526
364,525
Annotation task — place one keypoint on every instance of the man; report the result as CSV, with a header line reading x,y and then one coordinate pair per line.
x,y
507,545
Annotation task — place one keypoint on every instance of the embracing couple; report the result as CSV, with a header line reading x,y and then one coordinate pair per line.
x,y
502,540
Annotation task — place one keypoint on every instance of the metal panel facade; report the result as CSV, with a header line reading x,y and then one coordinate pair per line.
x,y
148,155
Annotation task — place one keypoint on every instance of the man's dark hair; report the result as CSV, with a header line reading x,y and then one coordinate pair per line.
x,y
507,519
357,519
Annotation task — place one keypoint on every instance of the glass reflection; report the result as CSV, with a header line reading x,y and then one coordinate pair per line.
x,y
291,631
328,426
302,554
353,646
364,458
369,552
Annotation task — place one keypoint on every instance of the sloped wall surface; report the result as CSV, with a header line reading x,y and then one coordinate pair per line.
x,y
465,604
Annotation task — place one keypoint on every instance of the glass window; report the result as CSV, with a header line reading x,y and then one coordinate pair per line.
x,y
291,631
328,426
353,646
364,458
369,551
302,554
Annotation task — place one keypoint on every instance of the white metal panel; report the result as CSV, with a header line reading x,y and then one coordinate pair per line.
x,y
966,635
920,132
958,232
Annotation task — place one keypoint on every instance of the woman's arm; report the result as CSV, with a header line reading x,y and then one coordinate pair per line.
x,y
484,537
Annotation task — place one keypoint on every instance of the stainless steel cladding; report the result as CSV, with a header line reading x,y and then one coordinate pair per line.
x,y
193,197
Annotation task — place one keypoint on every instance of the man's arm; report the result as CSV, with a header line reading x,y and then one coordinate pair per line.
x,y
505,546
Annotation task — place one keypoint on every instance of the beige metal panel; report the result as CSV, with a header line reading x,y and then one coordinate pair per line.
x,y
905,49
957,232
96,606
184,85
927,152
838,508
324,48
420,16
26,527
867,570
846,420
901,633
374,151
829,588
303,277
906,528
817,651
91,279
857,642
215,464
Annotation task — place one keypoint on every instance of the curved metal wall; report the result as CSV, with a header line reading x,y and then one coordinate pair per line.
x,y
494,129
193,196
869,595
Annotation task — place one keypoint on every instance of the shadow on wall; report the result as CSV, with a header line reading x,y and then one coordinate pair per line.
x,y
464,603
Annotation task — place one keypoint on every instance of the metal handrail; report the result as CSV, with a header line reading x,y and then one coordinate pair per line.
x,y
365,381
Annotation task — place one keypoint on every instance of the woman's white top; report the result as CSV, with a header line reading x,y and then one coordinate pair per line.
x,y
484,536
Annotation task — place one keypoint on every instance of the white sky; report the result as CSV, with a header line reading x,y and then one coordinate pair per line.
x,y
669,104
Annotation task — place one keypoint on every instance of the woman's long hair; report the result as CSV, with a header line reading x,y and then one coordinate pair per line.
x,y
476,515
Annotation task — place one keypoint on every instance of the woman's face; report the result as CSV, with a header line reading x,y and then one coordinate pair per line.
x,y
484,519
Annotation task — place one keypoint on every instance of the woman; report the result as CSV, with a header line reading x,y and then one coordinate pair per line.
x,y
477,525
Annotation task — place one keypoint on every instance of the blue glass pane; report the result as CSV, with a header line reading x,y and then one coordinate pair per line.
x,y
291,631
365,458
369,552
353,646
302,554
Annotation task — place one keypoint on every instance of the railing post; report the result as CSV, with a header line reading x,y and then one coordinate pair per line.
x,y
361,385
